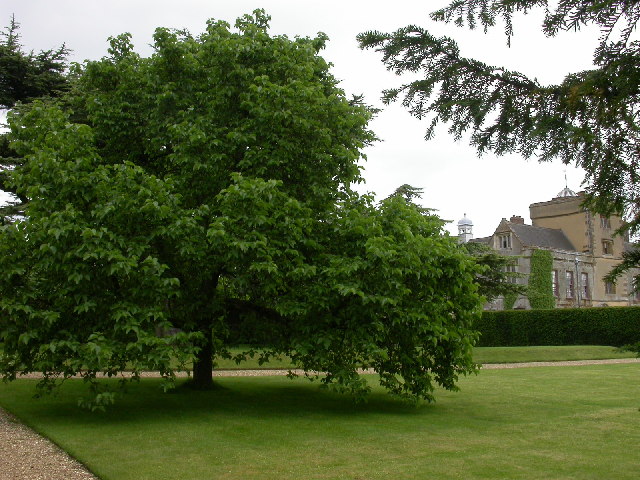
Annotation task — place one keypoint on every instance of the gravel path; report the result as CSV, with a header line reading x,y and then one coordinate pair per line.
x,y
25,455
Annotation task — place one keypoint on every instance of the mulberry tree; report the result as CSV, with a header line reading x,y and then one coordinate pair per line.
x,y
181,202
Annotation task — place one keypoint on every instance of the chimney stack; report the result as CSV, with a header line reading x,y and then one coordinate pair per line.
x,y
517,219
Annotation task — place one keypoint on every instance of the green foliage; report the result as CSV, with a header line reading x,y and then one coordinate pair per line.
x,y
83,288
632,347
494,278
589,119
27,76
614,326
402,301
630,260
509,300
540,289
160,204
23,78
408,192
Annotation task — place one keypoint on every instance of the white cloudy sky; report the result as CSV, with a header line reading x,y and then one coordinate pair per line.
x,y
454,179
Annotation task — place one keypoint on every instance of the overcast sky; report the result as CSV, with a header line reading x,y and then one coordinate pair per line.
x,y
454,179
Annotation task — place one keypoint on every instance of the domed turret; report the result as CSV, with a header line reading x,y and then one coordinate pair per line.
x,y
465,229
566,192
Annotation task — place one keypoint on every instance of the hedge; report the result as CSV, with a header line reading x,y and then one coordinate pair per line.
x,y
615,326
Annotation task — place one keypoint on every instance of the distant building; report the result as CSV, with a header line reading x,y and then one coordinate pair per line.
x,y
583,246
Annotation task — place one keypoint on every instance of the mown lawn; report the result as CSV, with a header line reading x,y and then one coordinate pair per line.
x,y
480,355
547,354
530,423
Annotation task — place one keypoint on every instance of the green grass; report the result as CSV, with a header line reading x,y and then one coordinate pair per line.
x,y
480,355
252,363
547,354
531,423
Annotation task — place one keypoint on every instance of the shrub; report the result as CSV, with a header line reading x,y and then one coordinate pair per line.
x,y
614,326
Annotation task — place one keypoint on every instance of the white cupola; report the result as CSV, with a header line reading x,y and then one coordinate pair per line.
x,y
566,192
465,229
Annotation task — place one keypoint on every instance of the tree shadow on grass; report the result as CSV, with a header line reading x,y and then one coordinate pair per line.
x,y
256,397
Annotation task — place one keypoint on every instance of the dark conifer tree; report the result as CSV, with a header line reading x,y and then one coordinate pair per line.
x,y
23,78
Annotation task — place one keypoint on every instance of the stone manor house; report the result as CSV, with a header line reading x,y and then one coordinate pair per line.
x,y
583,246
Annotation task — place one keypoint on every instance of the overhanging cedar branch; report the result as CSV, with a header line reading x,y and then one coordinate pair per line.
x,y
590,119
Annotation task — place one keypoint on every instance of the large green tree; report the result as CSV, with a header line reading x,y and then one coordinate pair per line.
x,y
589,120
24,77
202,194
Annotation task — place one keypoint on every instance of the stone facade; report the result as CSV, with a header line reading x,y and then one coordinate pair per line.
x,y
584,250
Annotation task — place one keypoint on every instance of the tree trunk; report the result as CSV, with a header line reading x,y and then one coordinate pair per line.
x,y
204,313
203,365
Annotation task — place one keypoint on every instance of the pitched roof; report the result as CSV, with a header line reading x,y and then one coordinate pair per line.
x,y
531,236
486,240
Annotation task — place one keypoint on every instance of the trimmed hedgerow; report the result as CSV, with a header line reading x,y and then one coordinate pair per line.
x,y
614,326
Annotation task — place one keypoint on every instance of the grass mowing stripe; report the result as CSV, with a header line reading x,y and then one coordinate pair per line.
x,y
561,423
480,355
547,353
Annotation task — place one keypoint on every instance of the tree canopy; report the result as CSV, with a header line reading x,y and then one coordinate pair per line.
x,y
590,119
203,194
27,76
